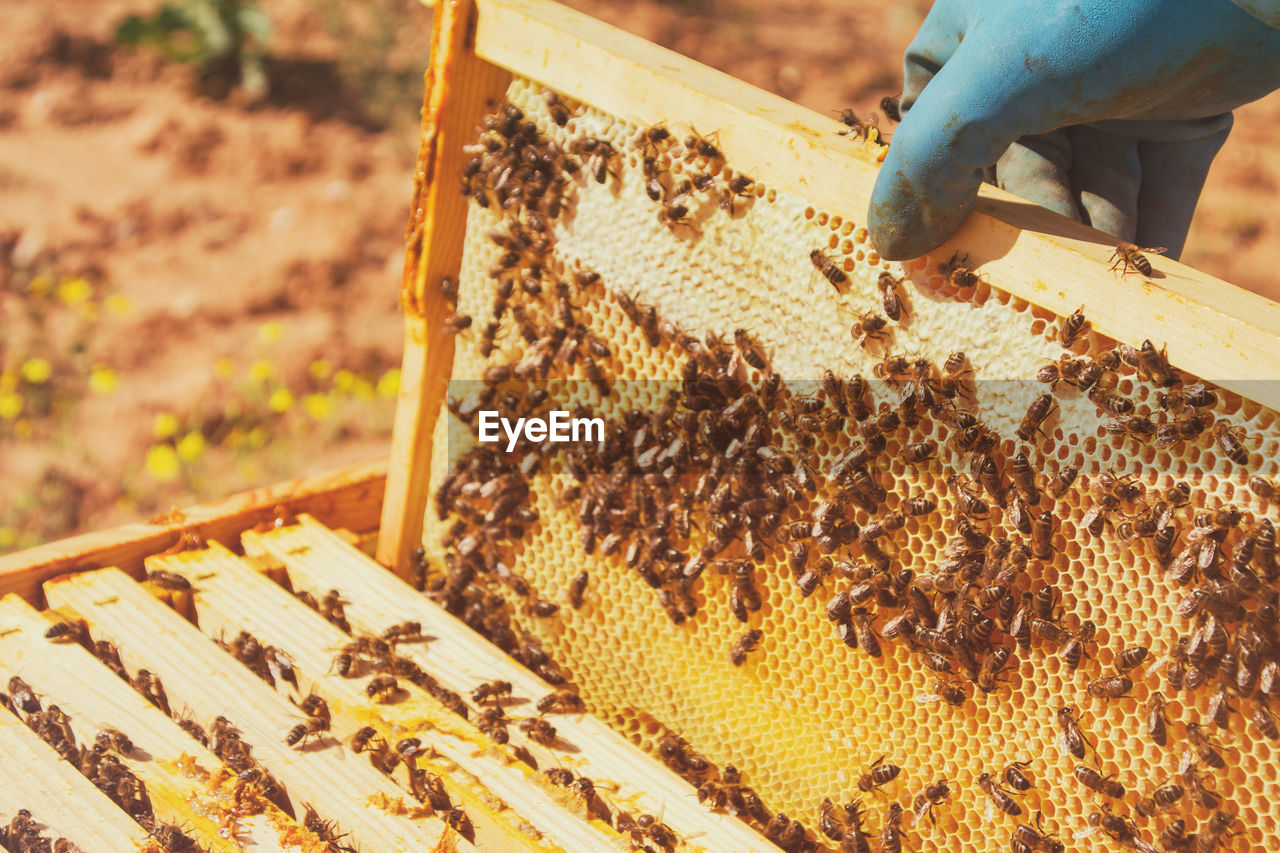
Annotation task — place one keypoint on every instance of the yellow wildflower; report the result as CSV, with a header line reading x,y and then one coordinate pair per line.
x,y
162,462
281,400
10,405
103,380
389,384
74,291
318,406
37,371
191,447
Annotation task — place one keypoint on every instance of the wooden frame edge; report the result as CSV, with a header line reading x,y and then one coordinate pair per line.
x,y
345,497
1228,334
460,88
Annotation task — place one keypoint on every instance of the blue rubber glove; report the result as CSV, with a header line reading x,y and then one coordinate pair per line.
x,y
1107,111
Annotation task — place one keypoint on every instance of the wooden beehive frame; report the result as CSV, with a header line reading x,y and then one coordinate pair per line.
x,y
1212,328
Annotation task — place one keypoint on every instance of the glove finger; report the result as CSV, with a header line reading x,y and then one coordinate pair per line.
x,y
1106,176
1173,174
934,44
1038,168
973,108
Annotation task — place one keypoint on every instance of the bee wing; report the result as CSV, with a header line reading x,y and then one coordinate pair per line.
x,y
1085,832
989,811
927,698
920,805
1156,665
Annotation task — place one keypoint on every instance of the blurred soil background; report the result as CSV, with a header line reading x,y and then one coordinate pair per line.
x,y
199,260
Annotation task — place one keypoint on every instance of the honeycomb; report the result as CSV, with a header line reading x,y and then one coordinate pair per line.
x,y
805,715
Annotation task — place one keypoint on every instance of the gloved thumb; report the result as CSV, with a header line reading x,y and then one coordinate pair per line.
x,y
970,111
1173,174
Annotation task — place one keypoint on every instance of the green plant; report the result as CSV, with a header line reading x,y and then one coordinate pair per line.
x,y
225,37
384,47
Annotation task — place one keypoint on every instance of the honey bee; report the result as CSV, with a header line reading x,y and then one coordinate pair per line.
x,y
933,794
1062,480
382,688
1076,649
697,142
1265,720
957,273
1015,776
115,739
363,739
992,666
1042,527
1035,839
1131,657
866,635
676,753
493,724
878,775
1095,781
868,326
559,112
1204,797
315,706
561,702
313,726
67,632
169,580
857,128
1206,751
830,271
744,645
1262,487
921,452
889,296
1229,439
1050,631
676,214
951,693
1073,740
750,349
998,795
148,685
1072,328
1161,799
1174,837
405,632
1130,257
1110,687
891,832
494,691
538,730
1037,412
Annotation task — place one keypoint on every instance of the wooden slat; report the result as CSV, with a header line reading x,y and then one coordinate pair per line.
x,y
1213,329
460,89
346,497
231,595
317,560
34,777
177,771
199,675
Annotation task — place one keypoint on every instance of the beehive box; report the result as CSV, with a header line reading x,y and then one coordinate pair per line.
x,y
648,640
806,715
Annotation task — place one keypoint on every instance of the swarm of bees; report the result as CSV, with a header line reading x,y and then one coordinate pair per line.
x,y
23,834
99,762
724,469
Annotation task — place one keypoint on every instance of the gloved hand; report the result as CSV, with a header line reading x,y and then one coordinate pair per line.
x,y
1107,111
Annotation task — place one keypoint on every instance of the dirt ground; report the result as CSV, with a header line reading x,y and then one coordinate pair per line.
x,y
198,293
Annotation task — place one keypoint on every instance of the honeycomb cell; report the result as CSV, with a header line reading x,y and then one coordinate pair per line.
x,y
806,713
